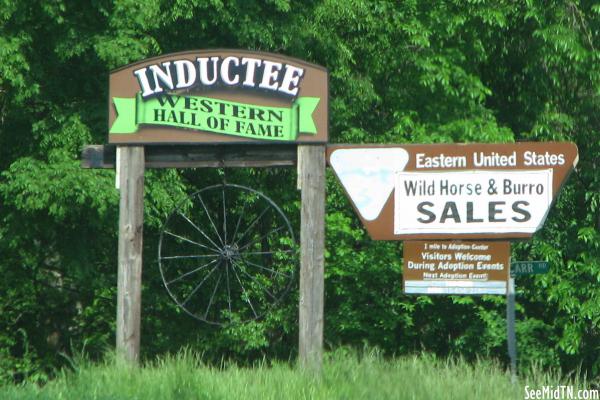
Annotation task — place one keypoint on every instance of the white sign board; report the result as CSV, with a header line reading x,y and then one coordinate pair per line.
x,y
472,201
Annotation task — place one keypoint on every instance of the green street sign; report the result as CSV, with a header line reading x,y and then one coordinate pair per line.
x,y
519,268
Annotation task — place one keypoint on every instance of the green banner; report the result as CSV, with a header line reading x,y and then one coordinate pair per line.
x,y
218,116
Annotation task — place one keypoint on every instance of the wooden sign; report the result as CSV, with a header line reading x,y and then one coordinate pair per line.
x,y
456,267
218,96
458,191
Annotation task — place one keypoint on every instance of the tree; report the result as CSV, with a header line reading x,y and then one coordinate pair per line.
x,y
450,71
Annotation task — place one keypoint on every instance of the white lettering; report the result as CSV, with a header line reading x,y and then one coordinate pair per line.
x,y
203,66
251,65
184,68
225,77
291,78
545,159
270,75
163,76
211,71
440,161
143,81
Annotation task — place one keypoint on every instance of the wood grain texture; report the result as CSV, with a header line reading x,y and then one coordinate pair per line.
x,y
131,223
197,156
312,259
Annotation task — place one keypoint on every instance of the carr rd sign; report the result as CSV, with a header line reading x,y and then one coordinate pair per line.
x,y
519,268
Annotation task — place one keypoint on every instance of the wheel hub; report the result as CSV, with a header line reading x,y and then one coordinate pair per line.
x,y
230,252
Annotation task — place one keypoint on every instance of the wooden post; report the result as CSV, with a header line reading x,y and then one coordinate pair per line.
x,y
311,175
511,334
131,222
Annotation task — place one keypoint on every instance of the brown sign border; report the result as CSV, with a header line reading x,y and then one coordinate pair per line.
x,y
382,228
315,83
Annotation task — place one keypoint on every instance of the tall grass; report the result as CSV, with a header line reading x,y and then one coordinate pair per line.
x,y
346,375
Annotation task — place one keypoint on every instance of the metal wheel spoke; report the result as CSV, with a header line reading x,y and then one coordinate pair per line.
x,y
252,224
265,268
190,241
258,283
199,285
190,272
213,294
237,225
261,238
210,219
268,252
200,230
190,256
224,218
244,290
228,288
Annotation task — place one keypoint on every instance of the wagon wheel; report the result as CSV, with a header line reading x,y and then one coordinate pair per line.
x,y
228,254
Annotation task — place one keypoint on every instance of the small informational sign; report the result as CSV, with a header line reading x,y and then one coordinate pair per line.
x,y
519,268
218,96
453,191
456,267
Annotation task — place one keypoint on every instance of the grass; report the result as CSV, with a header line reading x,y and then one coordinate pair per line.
x,y
345,376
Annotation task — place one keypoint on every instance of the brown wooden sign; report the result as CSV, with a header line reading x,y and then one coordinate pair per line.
x,y
218,96
458,191
456,267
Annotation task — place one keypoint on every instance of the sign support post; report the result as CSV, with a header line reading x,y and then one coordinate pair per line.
x,y
511,334
131,222
286,123
311,166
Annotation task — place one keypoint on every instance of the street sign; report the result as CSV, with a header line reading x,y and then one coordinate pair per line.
x,y
455,267
453,191
519,268
218,96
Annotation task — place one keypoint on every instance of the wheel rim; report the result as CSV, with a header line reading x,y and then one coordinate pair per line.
x,y
227,255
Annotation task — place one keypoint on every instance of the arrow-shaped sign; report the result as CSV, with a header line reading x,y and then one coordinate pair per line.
x,y
453,191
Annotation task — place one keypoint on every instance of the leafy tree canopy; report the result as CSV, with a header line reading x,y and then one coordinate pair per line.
x,y
410,71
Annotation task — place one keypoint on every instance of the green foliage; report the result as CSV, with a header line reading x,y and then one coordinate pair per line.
x,y
400,72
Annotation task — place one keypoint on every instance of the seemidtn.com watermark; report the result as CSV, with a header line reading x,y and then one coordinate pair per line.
x,y
561,392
